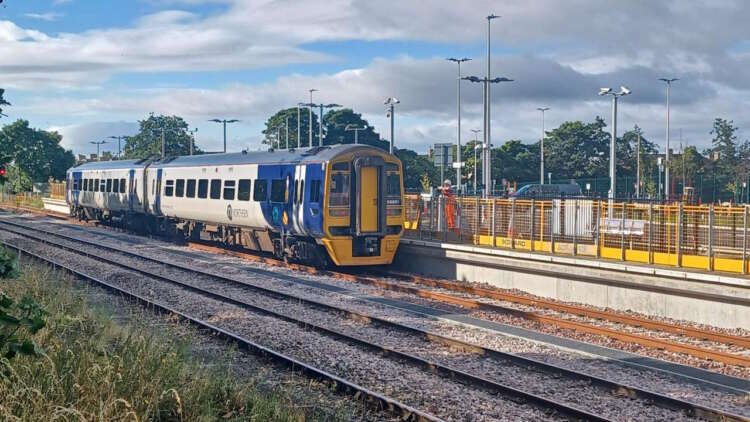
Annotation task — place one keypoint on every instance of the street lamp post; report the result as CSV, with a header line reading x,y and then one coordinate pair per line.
x,y
541,172
488,119
356,129
668,81
286,128
97,143
458,113
612,171
224,122
477,146
192,139
310,106
320,126
487,156
119,145
299,144
391,103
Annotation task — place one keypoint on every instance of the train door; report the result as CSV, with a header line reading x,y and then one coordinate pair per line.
x,y
131,186
312,199
75,186
369,183
298,201
157,193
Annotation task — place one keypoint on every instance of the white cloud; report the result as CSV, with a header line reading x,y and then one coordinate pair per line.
x,y
49,16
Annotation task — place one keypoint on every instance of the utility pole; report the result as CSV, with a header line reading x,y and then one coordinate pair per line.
x,y
299,144
541,145
476,169
391,102
488,117
310,122
638,166
286,127
458,113
668,81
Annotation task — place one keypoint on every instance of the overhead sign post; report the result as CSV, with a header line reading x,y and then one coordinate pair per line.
x,y
442,156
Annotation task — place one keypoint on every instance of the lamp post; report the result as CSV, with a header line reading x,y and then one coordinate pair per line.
x,y
488,119
356,129
310,106
391,103
612,171
320,126
541,145
299,144
458,113
286,128
97,143
668,81
192,139
119,145
487,156
224,122
476,169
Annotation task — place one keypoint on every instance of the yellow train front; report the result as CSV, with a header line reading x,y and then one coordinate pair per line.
x,y
363,214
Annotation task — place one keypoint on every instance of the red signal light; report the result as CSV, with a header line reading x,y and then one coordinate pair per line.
x,y
2,171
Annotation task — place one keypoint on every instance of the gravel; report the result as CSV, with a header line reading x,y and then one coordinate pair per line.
x,y
288,281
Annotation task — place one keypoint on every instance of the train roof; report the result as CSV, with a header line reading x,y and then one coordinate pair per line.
x,y
306,155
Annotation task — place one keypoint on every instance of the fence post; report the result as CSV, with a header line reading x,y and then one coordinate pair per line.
x,y
477,222
678,234
744,240
575,229
533,224
492,220
552,228
650,232
622,232
512,224
711,237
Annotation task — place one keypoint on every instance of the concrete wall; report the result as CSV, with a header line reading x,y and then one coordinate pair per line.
x,y
675,296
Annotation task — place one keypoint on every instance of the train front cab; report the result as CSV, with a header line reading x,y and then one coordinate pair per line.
x,y
363,211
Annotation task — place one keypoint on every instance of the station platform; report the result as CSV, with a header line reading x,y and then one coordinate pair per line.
x,y
720,300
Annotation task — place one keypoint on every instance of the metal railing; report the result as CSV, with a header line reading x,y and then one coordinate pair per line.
x,y
707,237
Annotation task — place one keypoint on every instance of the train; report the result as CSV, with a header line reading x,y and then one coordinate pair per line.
x,y
340,204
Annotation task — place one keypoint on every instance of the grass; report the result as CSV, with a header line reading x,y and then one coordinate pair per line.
x,y
94,368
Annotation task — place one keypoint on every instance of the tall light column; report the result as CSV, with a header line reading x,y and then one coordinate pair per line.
x,y
488,118
224,122
97,143
612,145
286,129
299,144
476,146
310,128
668,81
458,113
391,102
541,145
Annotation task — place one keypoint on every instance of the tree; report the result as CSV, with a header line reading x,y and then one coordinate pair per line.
x,y
336,122
2,101
576,150
515,160
37,153
415,168
279,120
147,142
724,154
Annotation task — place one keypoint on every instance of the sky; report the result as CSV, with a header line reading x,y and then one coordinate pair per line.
x,y
91,69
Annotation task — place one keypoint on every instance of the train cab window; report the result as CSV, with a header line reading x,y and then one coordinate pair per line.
x,y
392,184
229,190
260,193
109,185
339,190
115,185
122,185
179,188
340,167
315,191
203,188
190,191
215,189
243,190
169,188
278,190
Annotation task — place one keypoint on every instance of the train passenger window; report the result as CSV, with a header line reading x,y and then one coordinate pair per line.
x,y
115,185
190,192
215,188
96,185
278,190
169,188
260,193
85,184
315,191
243,190
339,191
229,190
393,184
179,189
203,188
122,185
108,185
103,185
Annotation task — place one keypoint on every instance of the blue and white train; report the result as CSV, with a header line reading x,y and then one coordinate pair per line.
x,y
340,204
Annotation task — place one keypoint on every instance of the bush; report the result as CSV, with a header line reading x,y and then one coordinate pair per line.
x,y
8,263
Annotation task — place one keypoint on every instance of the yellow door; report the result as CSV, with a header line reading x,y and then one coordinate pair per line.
x,y
368,212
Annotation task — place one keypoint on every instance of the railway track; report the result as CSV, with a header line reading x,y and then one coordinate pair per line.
x,y
616,389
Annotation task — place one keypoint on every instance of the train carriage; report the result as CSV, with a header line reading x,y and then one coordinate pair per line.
x,y
342,203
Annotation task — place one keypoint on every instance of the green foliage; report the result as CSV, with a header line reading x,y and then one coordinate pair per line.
x,y
147,142
336,133
425,182
8,263
576,150
3,102
279,119
36,152
415,168
18,179
19,321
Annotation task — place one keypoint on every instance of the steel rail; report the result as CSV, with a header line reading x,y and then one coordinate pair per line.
x,y
697,333
374,399
429,366
617,388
